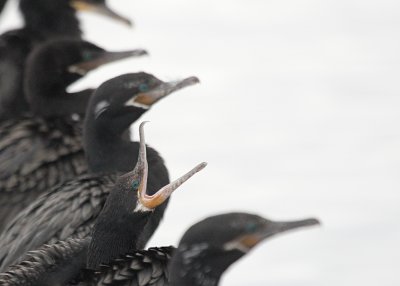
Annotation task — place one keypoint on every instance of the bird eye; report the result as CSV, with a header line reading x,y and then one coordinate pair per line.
x,y
143,87
87,55
135,185
251,227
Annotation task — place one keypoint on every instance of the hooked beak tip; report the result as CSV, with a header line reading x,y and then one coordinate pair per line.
x,y
128,22
139,53
193,80
202,165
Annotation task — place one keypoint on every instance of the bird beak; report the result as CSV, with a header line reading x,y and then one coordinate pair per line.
x,y
153,201
101,9
103,58
150,97
271,228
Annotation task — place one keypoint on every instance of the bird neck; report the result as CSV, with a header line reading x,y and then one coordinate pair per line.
x,y
108,152
117,228
47,93
50,18
197,265
107,145
60,103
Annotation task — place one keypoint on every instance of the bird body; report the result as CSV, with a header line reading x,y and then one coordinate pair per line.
x,y
63,263
41,151
129,209
50,265
140,268
36,154
204,253
71,208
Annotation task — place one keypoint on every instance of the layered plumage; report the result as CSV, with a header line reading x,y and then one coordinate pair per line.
x,y
41,151
63,263
118,230
50,265
204,253
71,208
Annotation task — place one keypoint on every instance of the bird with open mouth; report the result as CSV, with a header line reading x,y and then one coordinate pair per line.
x,y
126,213
70,209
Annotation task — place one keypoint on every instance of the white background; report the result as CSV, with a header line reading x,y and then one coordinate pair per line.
x,y
297,115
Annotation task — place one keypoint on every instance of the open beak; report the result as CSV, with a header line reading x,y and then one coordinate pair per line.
x,y
272,228
150,97
101,9
103,58
153,201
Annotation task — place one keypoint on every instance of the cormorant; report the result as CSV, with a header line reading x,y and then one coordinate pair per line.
x,y
40,151
44,20
205,251
210,246
71,208
125,214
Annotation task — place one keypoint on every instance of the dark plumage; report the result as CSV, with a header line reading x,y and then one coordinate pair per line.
x,y
38,152
63,263
210,246
118,229
44,20
129,211
71,208
205,251
50,265
140,268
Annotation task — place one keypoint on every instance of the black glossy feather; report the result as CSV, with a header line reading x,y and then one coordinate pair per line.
x,y
142,268
70,209
35,155
51,265
62,263
39,152
67,210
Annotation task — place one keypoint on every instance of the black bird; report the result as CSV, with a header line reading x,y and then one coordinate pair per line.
x,y
40,151
70,209
129,209
124,216
210,246
44,20
205,251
